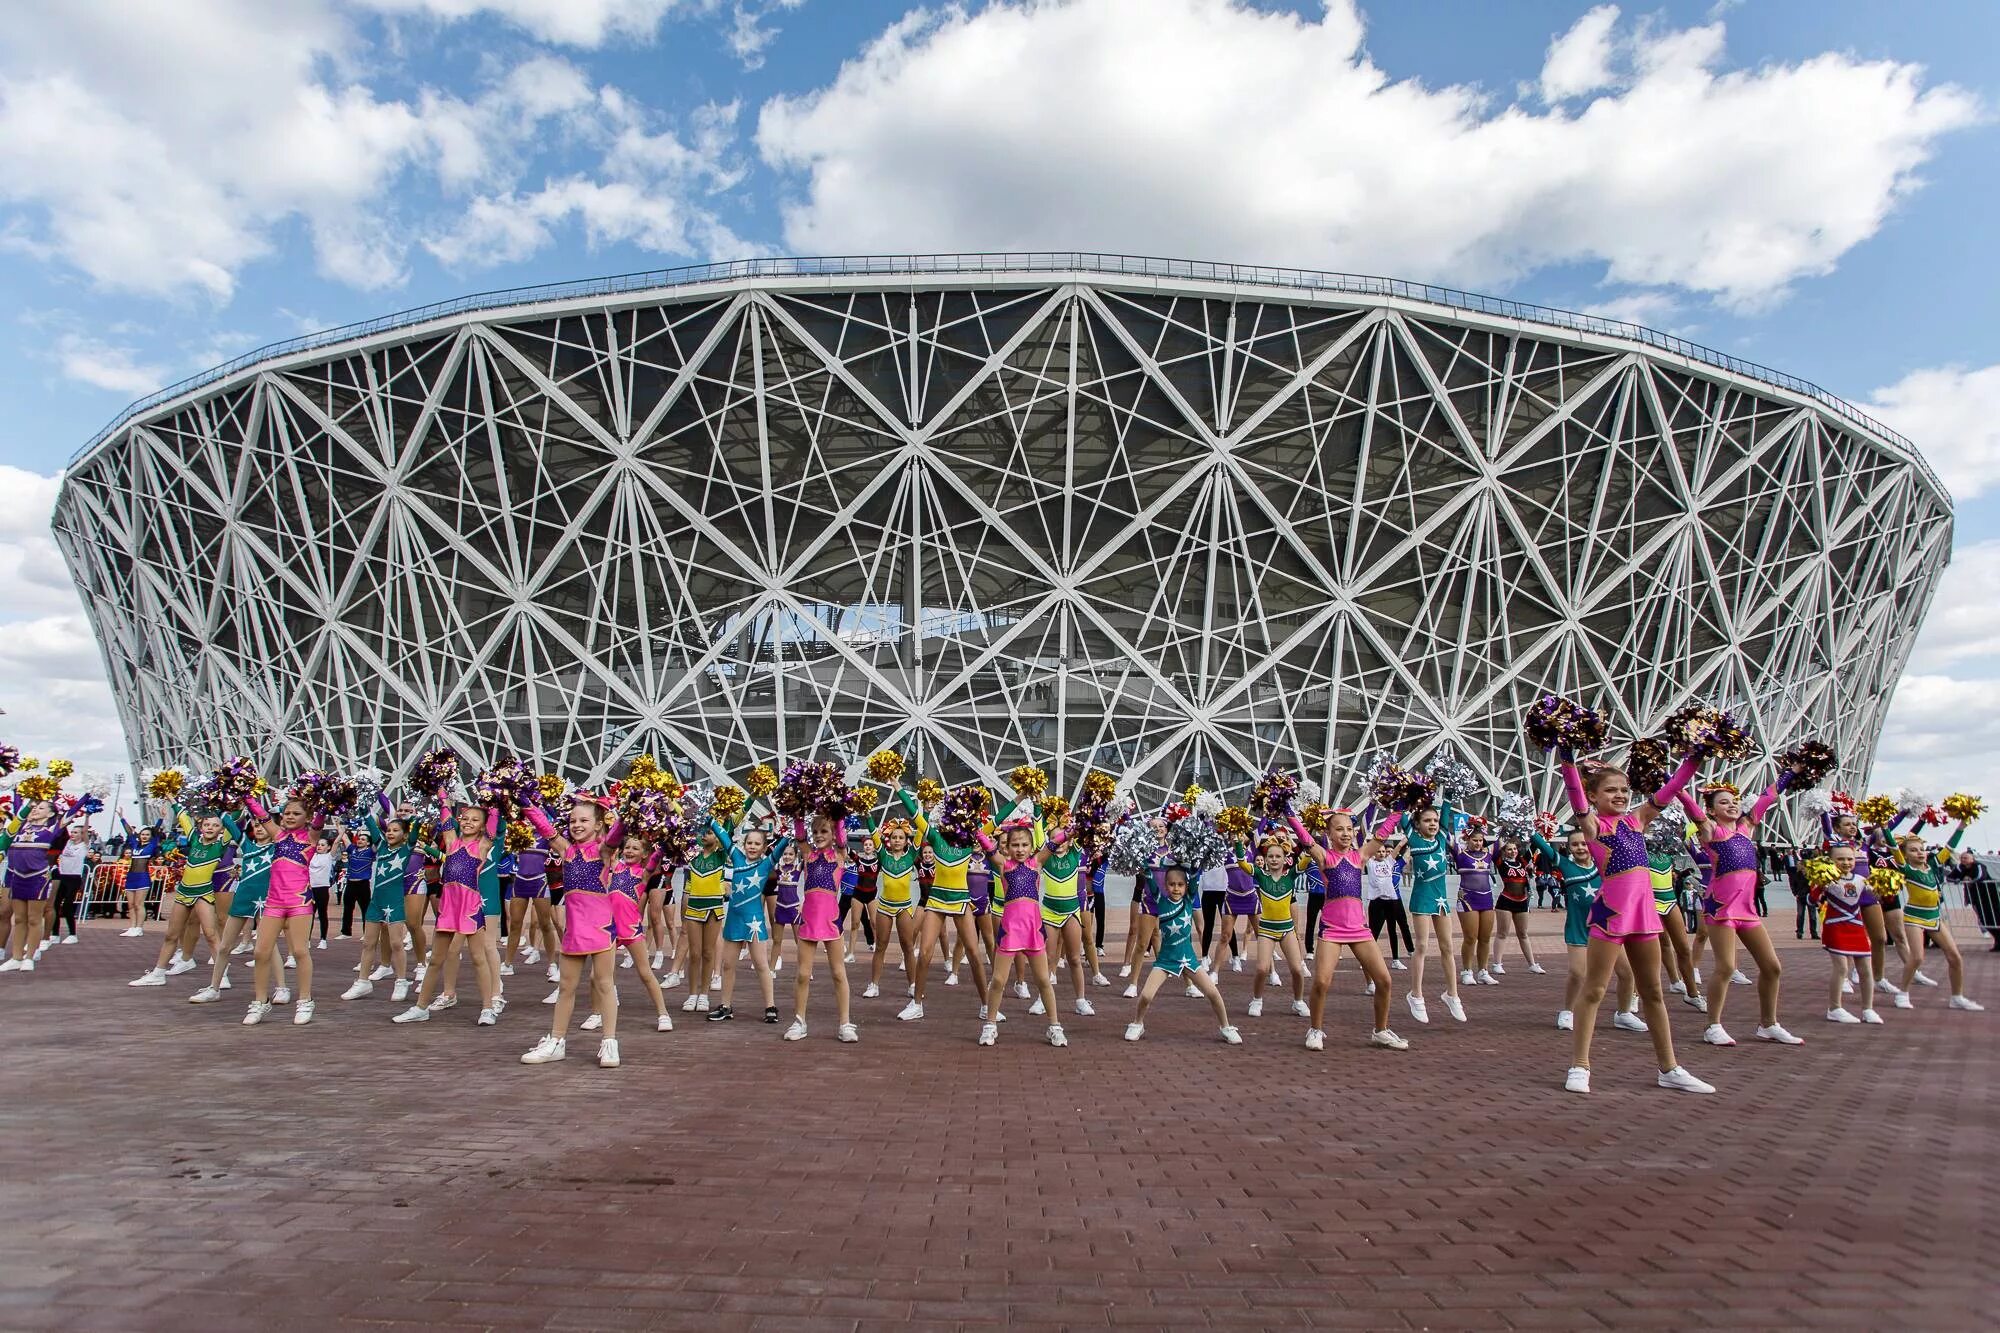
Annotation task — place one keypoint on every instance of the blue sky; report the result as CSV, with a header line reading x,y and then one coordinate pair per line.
x,y
1807,185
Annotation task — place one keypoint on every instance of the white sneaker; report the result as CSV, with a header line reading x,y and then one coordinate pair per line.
x,y
320,945
1227,1033
988,1033
1126,971
607,1053
1679,1080
554,973
488,1017
184,965
530,955
506,969
658,960
664,1024
1370,989
1388,1039
1695,1000
357,990
291,962
1887,985
444,1002
1628,1022
400,993
1737,978
499,1004
242,946
1236,963
1084,1006
1847,986
848,957
1919,978
11,965
1453,1007
687,1005
1840,1016
1870,1016
132,933
912,1011
1717,1035
552,996
548,1050
1398,965
1132,991
1466,977
1134,1031
1498,969
1903,1000
1020,990
1301,1008
1036,1007
594,1023
1315,1039
1677,988
152,976
848,1032
1537,969
225,979
872,992
1565,1021
1057,1037
1697,978
206,995
1099,979
715,978
950,977
282,995
416,1013
777,964
624,964
418,974
1418,1010
382,972
1776,1032
797,1031
672,979
1256,1007
701,1004
1967,1003
303,1014
1577,1080
255,1014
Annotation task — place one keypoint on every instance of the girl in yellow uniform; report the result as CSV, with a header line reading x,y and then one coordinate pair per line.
x,y
707,903
950,900
1923,911
1277,932
895,898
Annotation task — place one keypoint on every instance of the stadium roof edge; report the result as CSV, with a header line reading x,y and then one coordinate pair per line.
x,y
996,268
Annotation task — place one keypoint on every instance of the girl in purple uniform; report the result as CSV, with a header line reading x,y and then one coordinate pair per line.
x,y
33,843
1019,863
818,924
1476,907
1724,829
288,909
588,934
1344,921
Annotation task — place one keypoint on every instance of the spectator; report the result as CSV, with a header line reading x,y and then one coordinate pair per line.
x,y
1805,917
1981,892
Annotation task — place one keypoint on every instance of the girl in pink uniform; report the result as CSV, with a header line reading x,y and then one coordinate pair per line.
x,y
635,867
1725,828
471,851
1623,921
589,934
818,925
1344,921
1017,863
288,910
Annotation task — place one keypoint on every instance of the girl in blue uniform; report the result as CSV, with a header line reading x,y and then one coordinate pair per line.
x,y
1430,857
1177,958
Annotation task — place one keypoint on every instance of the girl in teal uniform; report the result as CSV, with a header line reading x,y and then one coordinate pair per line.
x,y
752,856
1177,958
254,850
1430,859
1580,882
382,921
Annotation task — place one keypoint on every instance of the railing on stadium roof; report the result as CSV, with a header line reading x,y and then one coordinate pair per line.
x,y
1124,266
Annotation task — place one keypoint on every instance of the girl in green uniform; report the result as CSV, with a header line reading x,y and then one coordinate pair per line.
x,y
1177,958
895,897
1923,910
194,895
254,850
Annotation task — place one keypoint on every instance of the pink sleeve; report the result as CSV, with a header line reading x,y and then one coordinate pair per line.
x,y
1689,804
539,822
1675,784
1764,803
986,841
1387,827
1573,787
493,822
445,821
1059,837
256,809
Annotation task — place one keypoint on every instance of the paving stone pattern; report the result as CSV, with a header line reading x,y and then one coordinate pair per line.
x,y
165,1167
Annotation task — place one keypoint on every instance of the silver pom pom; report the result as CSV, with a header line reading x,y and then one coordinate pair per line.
x,y
1817,802
1207,805
1516,817
1195,844
1452,778
1132,847
1912,799
1310,792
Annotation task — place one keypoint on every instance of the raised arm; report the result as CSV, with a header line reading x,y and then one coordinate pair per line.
x,y
1306,838
257,813
1767,798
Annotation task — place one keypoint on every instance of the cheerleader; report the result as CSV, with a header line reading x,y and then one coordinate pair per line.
x,y
470,882
382,920
1723,829
818,922
287,908
529,913
1843,933
141,847
1062,916
1429,855
752,855
987,899
950,901
661,917
706,903
1476,913
1623,920
1846,828
1093,906
635,866
1580,882
32,843
1514,871
896,909
1678,957
254,852
194,898
1923,913
1021,865
1177,959
1141,927
1277,932
1344,921
588,937
788,902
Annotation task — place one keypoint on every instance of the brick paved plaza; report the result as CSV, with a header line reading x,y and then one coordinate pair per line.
x,y
167,1168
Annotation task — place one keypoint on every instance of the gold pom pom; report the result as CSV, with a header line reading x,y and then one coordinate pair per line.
x,y
1028,780
885,766
30,764
1820,873
520,836
1235,823
166,785
1885,880
860,800
1316,816
1963,808
762,781
60,769
1055,812
551,787
929,791
1192,794
729,802
38,787
1100,785
1876,810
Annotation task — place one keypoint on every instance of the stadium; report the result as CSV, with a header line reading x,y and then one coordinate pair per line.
x,y
1178,521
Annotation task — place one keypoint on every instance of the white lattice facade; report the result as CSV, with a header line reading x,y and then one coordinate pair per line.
x,y
1178,529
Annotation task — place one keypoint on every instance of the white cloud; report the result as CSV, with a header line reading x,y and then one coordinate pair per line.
x,y
1096,124
586,23
1942,735
750,33
1963,625
1649,309
104,365
1579,61
1953,416
34,583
